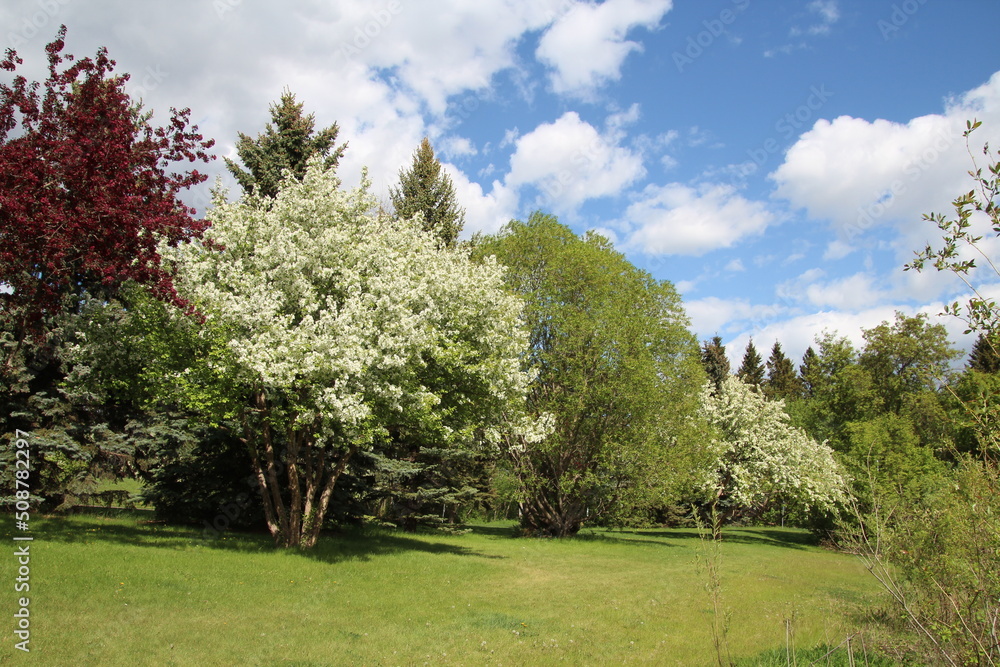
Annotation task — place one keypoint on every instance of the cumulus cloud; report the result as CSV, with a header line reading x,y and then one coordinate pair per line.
x,y
461,49
859,174
569,161
854,292
485,211
798,333
712,315
587,45
676,219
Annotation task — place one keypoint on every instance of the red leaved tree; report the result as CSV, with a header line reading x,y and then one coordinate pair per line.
x,y
86,191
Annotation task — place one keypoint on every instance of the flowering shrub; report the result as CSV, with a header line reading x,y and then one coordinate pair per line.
x,y
761,458
329,327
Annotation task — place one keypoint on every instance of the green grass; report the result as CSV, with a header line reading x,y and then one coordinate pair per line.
x,y
120,591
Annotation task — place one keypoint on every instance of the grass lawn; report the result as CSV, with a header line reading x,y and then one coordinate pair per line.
x,y
120,591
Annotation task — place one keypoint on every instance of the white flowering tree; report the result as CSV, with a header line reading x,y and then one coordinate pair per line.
x,y
760,457
328,327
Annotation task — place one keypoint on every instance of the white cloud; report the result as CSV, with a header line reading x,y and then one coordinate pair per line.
x,y
736,266
828,12
571,162
798,333
854,292
456,147
587,45
676,219
712,315
859,174
485,212
461,49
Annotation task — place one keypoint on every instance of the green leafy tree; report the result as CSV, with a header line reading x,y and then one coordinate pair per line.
x,y
751,370
906,357
715,361
938,553
426,189
288,142
616,369
320,318
781,382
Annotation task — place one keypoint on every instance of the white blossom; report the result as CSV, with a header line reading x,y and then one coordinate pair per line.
x,y
759,455
322,297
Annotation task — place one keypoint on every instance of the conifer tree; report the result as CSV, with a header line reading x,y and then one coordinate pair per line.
x,y
984,357
425,188
752,369
809,372
288,142
782,382
715,362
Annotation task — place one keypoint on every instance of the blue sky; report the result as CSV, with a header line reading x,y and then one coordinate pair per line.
x,y
771,158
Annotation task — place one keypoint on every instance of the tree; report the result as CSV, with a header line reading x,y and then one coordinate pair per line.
x,y
617,370
287,143
809,372
427,190
760,458
751,370
715,361
85,197
906,357
939,555
327,329
782,381
84,192
984,357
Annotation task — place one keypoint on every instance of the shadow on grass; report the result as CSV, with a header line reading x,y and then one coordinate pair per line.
x,y
775,537
136,528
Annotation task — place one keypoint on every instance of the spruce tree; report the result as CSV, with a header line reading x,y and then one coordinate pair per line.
x,y
809,372
782,382
715,362
752,369
984,357
418,483
426,188
288,142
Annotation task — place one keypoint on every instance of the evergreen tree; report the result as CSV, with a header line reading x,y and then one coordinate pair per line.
x,y
426,188
752,369
809,372
288,142
782,382
984,357
715,362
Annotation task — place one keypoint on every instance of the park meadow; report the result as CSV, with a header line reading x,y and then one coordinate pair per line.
x,y
124,590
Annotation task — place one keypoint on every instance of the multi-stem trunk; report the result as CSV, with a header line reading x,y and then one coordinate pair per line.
x,y
296,486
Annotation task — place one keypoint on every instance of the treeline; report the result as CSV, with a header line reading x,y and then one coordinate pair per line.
x,y
896,411
305,356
